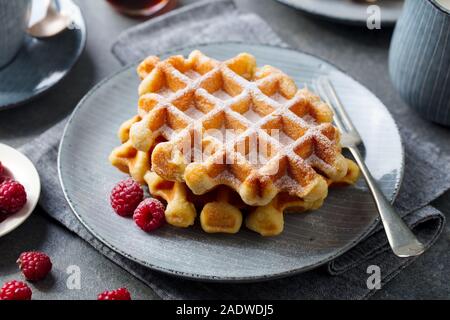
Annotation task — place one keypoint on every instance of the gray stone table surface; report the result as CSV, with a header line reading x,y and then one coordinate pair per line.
x,y
358,51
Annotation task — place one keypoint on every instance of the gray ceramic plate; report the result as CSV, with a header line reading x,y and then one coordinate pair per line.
x,y
42,63
309,240
348,11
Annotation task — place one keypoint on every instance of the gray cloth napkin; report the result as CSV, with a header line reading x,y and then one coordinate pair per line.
x,y
427,176
199,23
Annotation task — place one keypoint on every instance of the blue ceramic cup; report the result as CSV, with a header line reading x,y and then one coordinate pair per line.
x,y
419,59
14,15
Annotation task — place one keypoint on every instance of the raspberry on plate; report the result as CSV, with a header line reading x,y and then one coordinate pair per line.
x,y
4,179
34,265
126,196
15,290
12,197
119,294
3,174
149,215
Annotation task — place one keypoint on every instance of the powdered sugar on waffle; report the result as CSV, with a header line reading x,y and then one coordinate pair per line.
x,y
192,74
222,95
222,102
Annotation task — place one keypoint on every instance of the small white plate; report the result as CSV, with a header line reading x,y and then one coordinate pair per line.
x,y
22,170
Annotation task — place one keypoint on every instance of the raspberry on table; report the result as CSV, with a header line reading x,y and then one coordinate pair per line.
x,y
15,290
119,294
126,196
149,215
34,265
13,197
2,169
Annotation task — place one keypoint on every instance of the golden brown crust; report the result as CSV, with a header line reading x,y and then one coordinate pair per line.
x,y
182,99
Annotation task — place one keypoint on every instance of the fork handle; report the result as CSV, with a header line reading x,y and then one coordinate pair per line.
x,y
401,239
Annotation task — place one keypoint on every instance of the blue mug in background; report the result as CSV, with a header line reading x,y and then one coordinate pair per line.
x,y
419,58
14,16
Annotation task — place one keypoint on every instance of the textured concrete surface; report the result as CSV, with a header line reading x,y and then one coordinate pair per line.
x,y
358,51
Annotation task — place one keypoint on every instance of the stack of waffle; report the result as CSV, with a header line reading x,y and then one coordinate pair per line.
x,y
230,140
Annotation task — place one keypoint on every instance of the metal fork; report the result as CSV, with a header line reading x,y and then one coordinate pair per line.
x,y
401,239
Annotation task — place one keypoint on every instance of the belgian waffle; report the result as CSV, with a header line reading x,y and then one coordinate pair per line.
x,y
221,209
185,102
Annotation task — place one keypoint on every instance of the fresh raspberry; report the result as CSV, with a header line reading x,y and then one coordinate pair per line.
x,y
119,294
15,290
149,215
126,196
4,179
12,196
3,174
34,265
